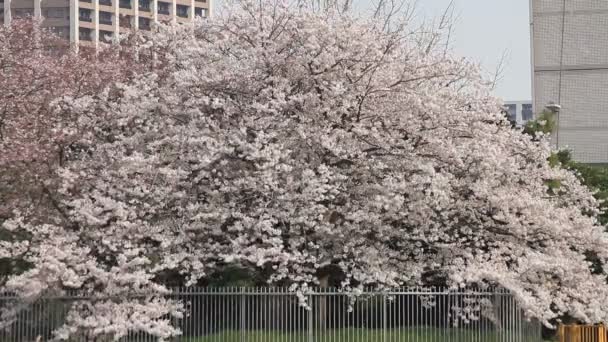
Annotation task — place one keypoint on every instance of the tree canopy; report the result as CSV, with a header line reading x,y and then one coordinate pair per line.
x,y
304,144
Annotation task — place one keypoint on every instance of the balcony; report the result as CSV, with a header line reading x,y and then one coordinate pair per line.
x,y
125,4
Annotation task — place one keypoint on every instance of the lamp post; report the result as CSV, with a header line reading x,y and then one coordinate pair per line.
x,y
555,109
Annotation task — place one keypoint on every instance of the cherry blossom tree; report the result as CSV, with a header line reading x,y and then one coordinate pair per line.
x,y
37,137
308,145
36,68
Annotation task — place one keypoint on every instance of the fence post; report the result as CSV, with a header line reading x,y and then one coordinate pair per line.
x,y
242,314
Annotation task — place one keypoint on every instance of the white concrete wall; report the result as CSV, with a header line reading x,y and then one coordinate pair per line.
x,y
582,66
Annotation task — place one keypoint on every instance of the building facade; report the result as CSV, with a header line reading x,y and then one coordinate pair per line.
x,y
519,112
94,21
570,68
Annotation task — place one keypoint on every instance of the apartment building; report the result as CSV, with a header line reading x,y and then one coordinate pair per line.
x,y
570,68
94,21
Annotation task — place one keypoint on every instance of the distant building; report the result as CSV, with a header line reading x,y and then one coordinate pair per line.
x,y
570,68
92,21
519,112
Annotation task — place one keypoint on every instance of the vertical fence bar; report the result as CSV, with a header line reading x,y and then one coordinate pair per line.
x,y
265,302
292,317
297,319
242,316
260,310
384,318
188,324
310,318
227,313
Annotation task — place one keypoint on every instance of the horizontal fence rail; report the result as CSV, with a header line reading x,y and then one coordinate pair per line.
x,y
321,315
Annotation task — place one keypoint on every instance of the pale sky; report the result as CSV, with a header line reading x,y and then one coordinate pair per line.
x,y
487,28
483,31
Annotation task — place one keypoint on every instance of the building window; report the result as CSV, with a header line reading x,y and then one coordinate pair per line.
x,y
200,12
125,21
54,13
125,3
144,5
144,23
163,8
182,11
526,112
105,18
105,2
89,1
62,31
84,15
511,111
84,33
23,12
105,36
203,1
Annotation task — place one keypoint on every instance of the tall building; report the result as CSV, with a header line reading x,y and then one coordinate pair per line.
x,y
519,111
570,68
92,21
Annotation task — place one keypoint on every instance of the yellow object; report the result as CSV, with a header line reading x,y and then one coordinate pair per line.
x,y
582,333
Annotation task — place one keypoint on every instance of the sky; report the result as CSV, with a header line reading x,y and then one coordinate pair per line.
x,y
484,31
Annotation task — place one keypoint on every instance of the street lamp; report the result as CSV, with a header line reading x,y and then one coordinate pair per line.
x,y
555,109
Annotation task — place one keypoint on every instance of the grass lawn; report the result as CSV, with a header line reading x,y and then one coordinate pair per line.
x,y
363,335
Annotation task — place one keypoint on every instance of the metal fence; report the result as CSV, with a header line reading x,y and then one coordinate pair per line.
x,y
328,315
